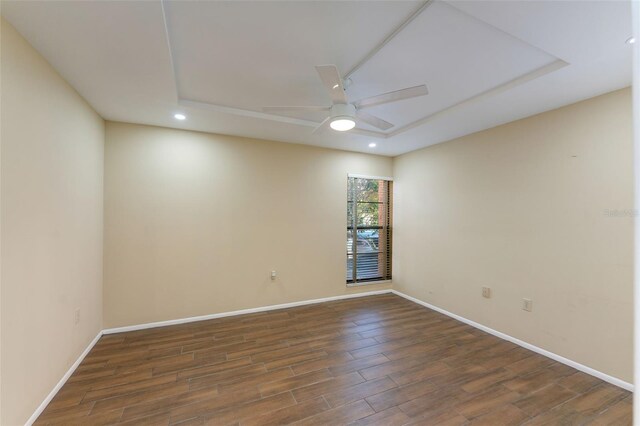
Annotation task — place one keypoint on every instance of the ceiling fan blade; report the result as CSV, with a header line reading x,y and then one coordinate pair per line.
x,y
322,126
295,108
398,95
331,79
373,120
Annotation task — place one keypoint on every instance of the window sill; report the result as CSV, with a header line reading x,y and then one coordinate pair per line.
x,y
369,283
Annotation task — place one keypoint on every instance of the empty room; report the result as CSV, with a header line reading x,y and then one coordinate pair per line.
x,y
319,212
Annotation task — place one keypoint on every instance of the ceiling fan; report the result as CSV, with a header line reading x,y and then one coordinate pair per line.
x,y
343,114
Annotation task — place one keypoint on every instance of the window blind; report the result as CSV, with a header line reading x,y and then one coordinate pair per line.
x,y
369,236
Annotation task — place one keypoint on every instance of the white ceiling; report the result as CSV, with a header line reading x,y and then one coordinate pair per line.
x,y
485,62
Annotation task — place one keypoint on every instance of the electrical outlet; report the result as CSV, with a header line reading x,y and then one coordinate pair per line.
x,y
486,292
76,317
527,305
273,275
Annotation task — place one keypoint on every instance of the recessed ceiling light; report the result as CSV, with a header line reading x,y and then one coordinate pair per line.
x,y
342,124
631,40
179,116
372,145
336,86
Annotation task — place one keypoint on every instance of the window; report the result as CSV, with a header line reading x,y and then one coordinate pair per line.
x,y
369,220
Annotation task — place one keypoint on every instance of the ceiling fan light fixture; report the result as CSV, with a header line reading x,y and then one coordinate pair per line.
x,y
342,113
342,124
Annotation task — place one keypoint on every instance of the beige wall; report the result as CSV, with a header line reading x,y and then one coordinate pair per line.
x,y
521,208
195,222
51,218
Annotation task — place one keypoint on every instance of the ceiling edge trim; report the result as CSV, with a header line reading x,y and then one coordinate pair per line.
x,y
168,40
387,39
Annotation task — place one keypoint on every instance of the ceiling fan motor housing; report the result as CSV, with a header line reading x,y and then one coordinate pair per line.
x,y
346,111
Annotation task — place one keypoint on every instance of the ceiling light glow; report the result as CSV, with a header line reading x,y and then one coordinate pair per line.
x,y
179,116
372,145
631,40
342,124
336,86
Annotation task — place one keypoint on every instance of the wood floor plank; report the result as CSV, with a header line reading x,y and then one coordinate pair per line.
x,y
529,383
92,374
225,376
256,380
391,367
289,414
419,373
242,413
111,381
186,364
344,344
161,406
596,399
488,401
154,420
360,391
74,413
486,380
544,399
221,367
505,415
459,375
294,359
327,386
579,382
529,364
389,417
211,405
397,396
295,382
281,353
128,388
341,415
66,399
358,364
330,361
439,417
432,402
152,394
256,349
377,360
620,413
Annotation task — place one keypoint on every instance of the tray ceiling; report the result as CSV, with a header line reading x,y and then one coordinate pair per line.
x,y
485,63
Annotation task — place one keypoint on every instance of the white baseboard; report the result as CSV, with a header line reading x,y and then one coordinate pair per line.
x,y
577,366
555,357
75,365
241,312
62,381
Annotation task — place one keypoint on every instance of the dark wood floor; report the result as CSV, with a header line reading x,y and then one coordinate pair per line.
x,y
373,360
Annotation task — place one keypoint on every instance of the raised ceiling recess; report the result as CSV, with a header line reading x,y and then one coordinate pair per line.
x,y
220,62
458,56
